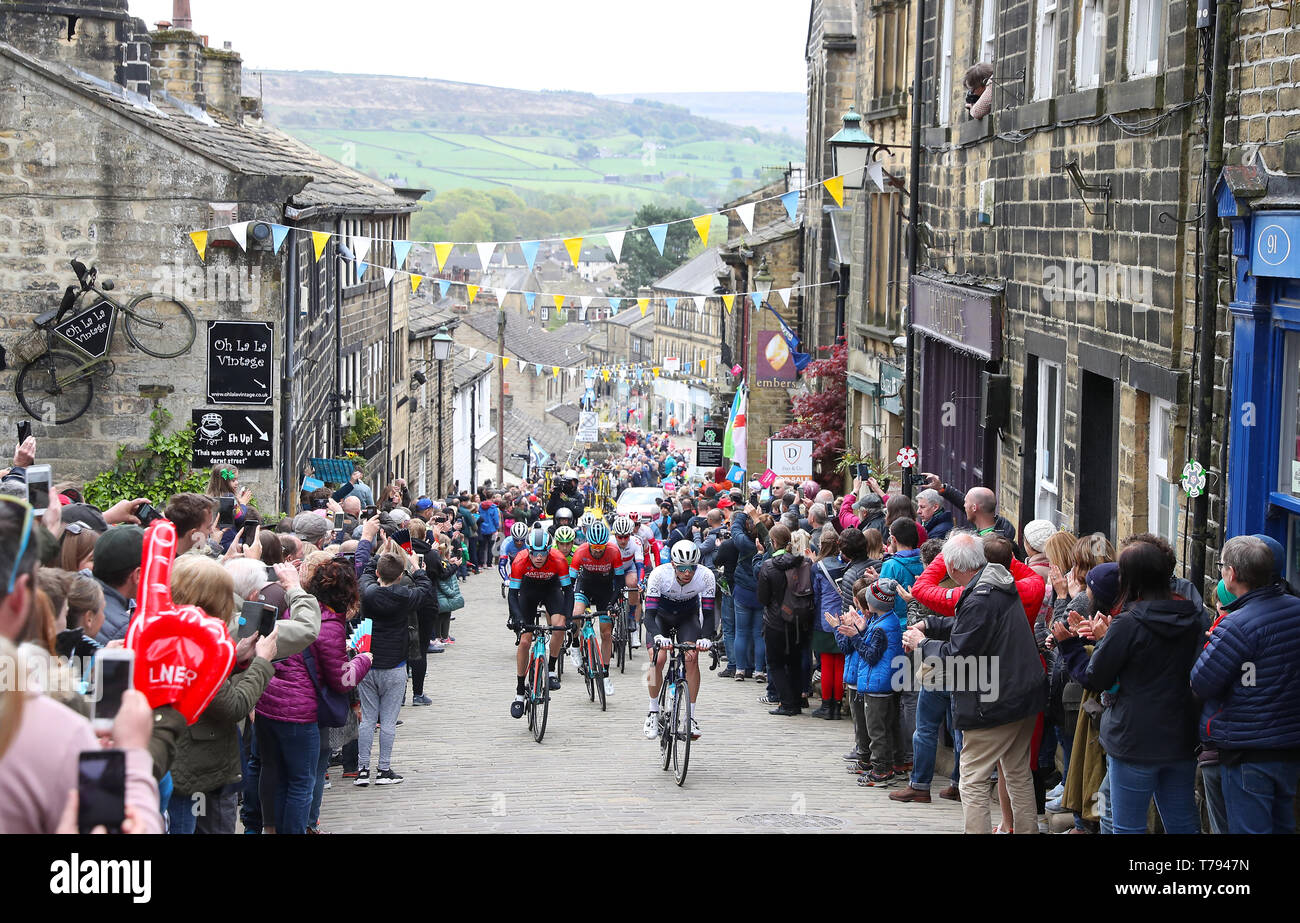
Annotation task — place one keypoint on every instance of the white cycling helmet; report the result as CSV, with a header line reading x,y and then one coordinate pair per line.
x,y
685,552
622,525
519,531
564,513
586,519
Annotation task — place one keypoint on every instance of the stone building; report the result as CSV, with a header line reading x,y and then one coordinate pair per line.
x,y
119,142
691,333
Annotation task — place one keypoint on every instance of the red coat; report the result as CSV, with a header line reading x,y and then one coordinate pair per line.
x,y
944,601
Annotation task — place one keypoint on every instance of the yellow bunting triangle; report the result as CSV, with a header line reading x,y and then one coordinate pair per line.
x,y
574,246
555,371
604,373
656,371
559,301
835,186
643,303
200,239
728,301
442,251
702,224
416,279
704,364
318,241
505,360
471,291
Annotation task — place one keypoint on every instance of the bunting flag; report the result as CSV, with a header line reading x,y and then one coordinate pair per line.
x,y
604,373
388,275
537,369
791,202
360,247
505,360
472,352
757,298
555,371
400,250
441,251
362,266
501,296
746,213
643,303
278,233
239,231
835,186
318,241
613,305
728,301
699,304
485,251
876,173
529,250
530,297
471,292
559,301
672,307
582,313
704,364
443,286
489,356
702,224
656,371
615,241
574,246
585,301
658,233
416,279
785,296
200,240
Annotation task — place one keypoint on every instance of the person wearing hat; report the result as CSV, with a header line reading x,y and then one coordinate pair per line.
x,y
871,513
117,568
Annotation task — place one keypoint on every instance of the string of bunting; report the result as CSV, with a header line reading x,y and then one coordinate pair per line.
x,y
636,372
658,233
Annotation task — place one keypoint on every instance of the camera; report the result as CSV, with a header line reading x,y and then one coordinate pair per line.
x,y
147,514
917,479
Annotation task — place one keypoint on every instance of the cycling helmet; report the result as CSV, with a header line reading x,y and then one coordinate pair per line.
x,y
634,515
598,533
586,519
539,540
565,535
622,525
564,513
519,531
685,552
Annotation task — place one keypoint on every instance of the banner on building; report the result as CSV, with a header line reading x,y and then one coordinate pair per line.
x,y
242,438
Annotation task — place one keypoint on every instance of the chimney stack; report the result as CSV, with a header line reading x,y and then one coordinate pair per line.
x,y
181,18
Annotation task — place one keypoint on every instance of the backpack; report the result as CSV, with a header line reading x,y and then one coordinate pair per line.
x,y
797,603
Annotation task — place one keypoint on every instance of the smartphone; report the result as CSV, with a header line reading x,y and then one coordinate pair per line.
x,y
101,790
38,487
266,624
338,521
253,617
147,514
917,479
271,575
24,430
114,672
249,533
225,511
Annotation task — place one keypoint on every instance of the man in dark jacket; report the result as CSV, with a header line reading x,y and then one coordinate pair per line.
x,y
565,494
787,643
936,521
872,510
1247,679
990,663
389,605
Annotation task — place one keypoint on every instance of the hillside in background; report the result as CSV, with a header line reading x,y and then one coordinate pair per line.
x,y
774,112
556,161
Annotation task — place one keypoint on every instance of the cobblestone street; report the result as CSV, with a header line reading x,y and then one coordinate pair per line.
x,y
470,767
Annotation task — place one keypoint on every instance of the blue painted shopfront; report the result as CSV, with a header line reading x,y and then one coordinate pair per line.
x,y
1264,435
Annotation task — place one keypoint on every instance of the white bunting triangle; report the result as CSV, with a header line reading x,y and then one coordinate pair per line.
x,y
360,247
472,351
239,231
615,241
501,296
585,301
785,296
876,173
388,275
746,213
485,251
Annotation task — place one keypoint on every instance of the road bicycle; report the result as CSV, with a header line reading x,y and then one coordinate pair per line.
x,y
675,710
537,686
589,663
60,359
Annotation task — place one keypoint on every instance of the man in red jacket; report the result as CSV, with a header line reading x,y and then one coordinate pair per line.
x,y
928,593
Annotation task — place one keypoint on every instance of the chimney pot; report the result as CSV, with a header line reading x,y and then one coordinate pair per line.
x,y
162,24
181,14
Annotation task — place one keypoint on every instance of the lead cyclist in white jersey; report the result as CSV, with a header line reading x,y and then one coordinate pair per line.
x,y
678,598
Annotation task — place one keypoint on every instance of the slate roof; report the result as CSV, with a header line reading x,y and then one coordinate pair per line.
x,y
565,413
529,340
553,437
467,368
697,276
252,147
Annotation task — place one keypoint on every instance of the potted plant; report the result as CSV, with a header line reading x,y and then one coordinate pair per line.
x,y
368,425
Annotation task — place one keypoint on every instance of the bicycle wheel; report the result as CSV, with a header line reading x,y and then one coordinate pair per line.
x,y
159,325
543,702
665,724
591,667
559,662
681,731
600,670
55,387
528,700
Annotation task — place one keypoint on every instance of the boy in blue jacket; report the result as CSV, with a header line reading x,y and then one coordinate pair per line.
x,y
875,640
903,567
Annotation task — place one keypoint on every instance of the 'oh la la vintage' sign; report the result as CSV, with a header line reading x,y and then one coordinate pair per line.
x,y
239,362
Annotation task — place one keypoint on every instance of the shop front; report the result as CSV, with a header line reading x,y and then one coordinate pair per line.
x,y
1264,437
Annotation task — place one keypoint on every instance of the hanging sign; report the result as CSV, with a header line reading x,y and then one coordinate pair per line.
x,y
242,438
790,458
239,362
90,330
708,451
588,426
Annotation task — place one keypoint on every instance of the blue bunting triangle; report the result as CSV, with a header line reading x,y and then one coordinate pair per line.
x,y
791,202
529,248
443,286
278,233
362,266
530,297
672,307
400,249
659,233
613,305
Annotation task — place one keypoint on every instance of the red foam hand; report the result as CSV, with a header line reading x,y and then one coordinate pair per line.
x,y
182,655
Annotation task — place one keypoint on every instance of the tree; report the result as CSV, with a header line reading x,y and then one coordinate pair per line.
x,y
642,264
470,225
821,414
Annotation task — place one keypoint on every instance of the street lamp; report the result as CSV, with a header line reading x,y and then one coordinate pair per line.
x,y
441,353
852,149
442,345
763,278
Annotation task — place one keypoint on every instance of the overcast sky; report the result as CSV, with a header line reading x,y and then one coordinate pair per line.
x,y
623,46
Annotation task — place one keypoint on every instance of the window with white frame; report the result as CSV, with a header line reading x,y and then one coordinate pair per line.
x,y
1088,44
1045,49
1162,496
945,64
1146,23
1289,467
1047,502
988,34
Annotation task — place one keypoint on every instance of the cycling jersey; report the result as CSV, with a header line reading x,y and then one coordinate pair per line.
x,y
531,585
596,578
632,552
508,551
688,609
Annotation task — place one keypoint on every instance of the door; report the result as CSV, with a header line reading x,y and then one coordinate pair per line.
x,y
1098,455
952,439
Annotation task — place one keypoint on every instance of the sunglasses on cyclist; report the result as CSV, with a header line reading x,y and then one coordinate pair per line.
x,y
684,568
28,519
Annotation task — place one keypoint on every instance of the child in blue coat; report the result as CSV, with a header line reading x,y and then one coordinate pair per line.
x,y
876,639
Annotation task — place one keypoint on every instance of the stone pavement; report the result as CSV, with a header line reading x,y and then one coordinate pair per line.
x,y
470,767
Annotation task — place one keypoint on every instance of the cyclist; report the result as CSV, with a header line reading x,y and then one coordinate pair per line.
x,y
679,600
598,573
649,543
583,528
511,547
563,517
629,547
538,576
565,539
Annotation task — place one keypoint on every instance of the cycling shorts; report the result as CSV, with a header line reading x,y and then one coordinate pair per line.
x,y
682,616
596,594
550,597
